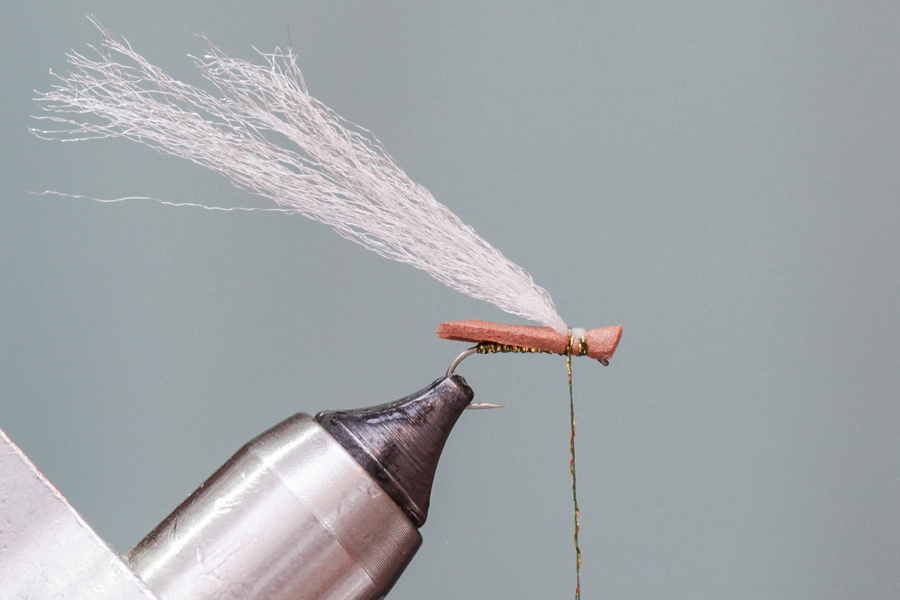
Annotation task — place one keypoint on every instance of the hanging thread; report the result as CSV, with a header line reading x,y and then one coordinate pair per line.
x,y
492,347
572,468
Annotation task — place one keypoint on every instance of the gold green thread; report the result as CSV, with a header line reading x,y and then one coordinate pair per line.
x,y
572,463
493,347
582,344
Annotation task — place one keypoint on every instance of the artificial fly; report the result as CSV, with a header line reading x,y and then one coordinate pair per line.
x,y
268,136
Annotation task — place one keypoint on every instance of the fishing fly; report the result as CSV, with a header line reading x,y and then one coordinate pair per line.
x,y
266,134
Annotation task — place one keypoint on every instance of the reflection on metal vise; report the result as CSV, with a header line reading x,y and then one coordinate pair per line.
x,y
313,509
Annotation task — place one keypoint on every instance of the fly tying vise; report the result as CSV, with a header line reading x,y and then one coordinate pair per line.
x,y
326,169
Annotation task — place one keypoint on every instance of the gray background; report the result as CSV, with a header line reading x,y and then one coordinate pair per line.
x,y
721,178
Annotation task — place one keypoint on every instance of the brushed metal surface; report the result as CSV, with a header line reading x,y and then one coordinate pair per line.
x,y
290,516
